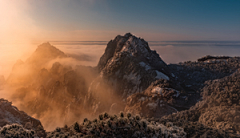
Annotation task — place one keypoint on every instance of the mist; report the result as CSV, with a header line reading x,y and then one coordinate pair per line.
x,y
18,34
53,86
58,90
175,54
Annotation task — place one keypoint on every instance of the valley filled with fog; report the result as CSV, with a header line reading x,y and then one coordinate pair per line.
x,y
89,52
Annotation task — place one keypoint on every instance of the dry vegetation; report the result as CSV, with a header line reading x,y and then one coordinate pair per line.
x,y
122,125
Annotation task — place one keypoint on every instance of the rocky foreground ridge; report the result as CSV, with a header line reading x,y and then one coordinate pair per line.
x,y
199,98
10,115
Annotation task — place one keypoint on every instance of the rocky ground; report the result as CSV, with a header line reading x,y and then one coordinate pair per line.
x,y
194,74
13,121
190,99
219,108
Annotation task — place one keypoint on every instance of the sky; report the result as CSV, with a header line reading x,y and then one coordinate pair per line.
x,y
102,20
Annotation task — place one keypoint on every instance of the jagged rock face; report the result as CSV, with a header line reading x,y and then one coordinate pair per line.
x,y
60,89
148,106
10,114
132,46
24,72
44,53
128,66
131,65
191,78
161,98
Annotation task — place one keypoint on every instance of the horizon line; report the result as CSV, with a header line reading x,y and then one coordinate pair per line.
x,y
54,41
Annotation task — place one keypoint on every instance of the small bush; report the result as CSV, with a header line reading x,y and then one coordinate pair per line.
x,y
119,126
138,117
106,115
85,120
100,117
121,114
16,131
58,129
129,115
76,127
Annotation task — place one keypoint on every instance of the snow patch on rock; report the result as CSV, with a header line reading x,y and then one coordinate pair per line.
x,y
157,90
160,75
147,67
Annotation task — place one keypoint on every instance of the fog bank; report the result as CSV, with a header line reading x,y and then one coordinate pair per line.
x,y
176,54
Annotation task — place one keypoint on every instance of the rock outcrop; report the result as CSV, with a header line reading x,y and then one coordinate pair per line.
x,y
24,72
56,89
128,66
161,98
11,115
44,53
157,100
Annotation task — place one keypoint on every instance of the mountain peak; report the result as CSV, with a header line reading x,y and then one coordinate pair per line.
x,y
45,44
130,45
128,34
129,61
48,47
45,52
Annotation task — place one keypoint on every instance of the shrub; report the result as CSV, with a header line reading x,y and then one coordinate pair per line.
x,y
129,115
112,118
16,131
119,126
76,127
58,129
65,126
138,117
85,120
121,114
106,115
100,117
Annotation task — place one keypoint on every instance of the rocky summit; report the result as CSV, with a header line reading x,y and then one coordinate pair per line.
x,y
128,66
24,72
131,66
189,99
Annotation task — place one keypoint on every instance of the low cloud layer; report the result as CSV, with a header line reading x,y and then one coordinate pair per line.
x,y
176,54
